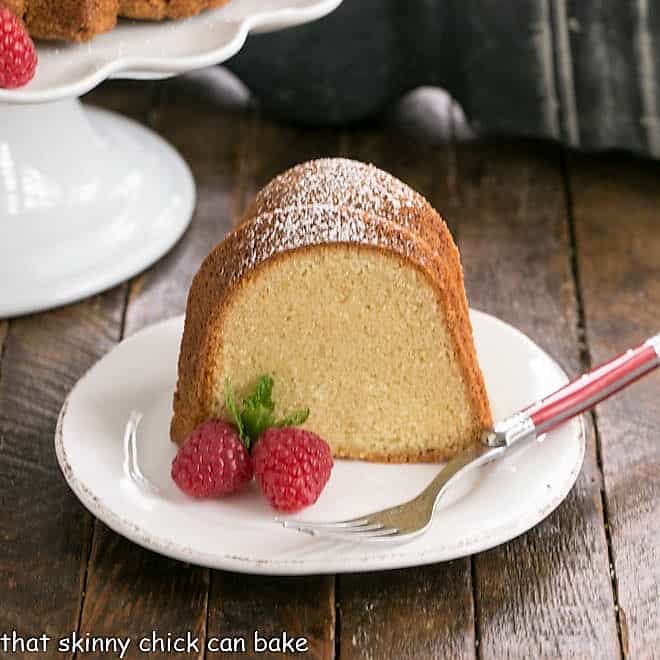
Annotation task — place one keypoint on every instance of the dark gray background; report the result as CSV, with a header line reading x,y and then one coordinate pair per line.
x,y
585,72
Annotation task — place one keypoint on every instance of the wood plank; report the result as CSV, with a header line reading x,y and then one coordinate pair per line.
x,y
45,535
133,592
132,98
617,222
272,148
548,593
301,607
4,327
404,613
423,612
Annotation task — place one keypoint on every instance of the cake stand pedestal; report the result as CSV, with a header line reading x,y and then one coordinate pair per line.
x,y
89,198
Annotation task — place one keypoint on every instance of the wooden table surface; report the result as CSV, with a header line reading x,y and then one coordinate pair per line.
x,y
565,247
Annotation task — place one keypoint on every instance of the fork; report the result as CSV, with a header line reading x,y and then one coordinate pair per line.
x,y
404,522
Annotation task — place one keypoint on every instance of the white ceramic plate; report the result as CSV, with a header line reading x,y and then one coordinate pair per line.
x,y
494,504
141,49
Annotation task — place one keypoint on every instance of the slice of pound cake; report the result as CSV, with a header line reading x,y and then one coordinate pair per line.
x,y
70,20
346,287
82,20
159,10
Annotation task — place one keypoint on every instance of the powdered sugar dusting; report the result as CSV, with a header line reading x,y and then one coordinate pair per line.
x,y
296,227
340,182
355,186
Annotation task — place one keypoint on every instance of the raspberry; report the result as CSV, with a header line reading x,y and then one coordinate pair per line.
x,y
18,57
212,462
292,467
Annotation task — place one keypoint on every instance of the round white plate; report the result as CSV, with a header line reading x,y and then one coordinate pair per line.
x,y
491,506
143,49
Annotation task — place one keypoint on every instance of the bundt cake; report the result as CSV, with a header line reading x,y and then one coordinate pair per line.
x,y
82,20
346,286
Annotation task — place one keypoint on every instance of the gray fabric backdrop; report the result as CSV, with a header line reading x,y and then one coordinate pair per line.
x,y
586,72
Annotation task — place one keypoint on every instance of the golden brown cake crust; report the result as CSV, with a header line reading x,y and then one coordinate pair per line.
x,y
158,10
82,20
70,20
352,184
257,244
16,7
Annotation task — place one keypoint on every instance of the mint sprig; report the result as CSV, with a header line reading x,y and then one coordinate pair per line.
x,y
230,402
256,413
295,418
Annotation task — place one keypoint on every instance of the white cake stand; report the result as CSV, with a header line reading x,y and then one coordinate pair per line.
x,y
89,198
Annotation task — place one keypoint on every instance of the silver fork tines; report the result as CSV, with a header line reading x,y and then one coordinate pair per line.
x,y
362,529
346,524
403,522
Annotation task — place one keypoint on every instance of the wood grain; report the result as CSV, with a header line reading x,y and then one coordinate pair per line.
x,y
4,327
404,613
270,148
423,612
131,98
301,607
617,225
133,592
45,532
548,593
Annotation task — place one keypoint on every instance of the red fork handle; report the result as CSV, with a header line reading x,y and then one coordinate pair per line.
x,y
593,387
578,396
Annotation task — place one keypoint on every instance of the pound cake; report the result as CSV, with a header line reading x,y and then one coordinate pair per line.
x,y
159,10
353,184
345,286
82,20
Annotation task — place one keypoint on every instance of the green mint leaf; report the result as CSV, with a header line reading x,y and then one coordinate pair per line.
x,y
295,418
230,402
257,410
263,393
256,413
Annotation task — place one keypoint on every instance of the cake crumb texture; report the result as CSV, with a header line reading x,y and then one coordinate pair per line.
x,y
358,336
